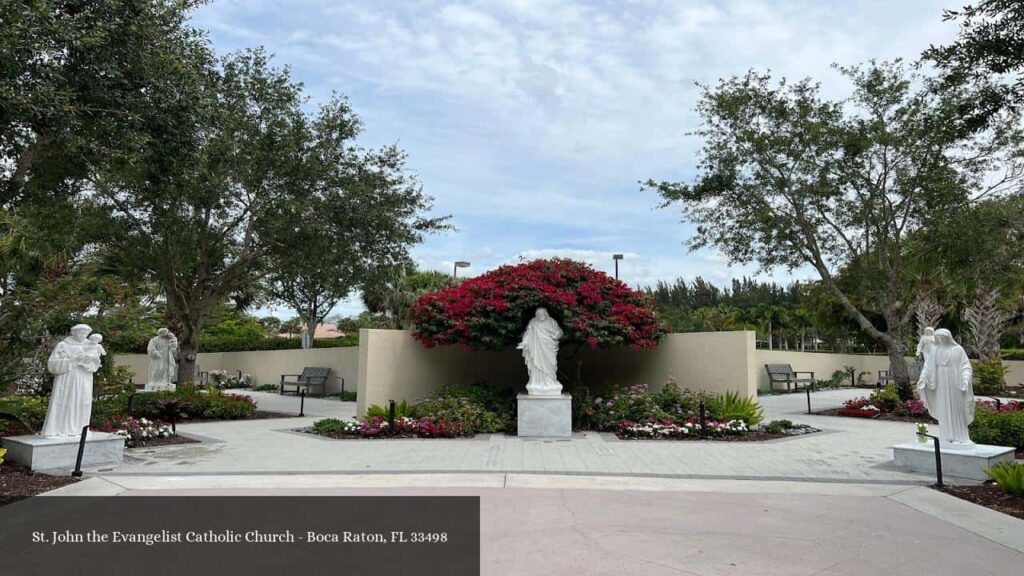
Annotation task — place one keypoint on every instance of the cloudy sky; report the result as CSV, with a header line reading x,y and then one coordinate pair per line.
x,y
531,122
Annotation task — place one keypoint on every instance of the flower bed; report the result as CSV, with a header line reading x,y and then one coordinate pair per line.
x,y
222,380
860,408
668,429
377,427
729,431
883,404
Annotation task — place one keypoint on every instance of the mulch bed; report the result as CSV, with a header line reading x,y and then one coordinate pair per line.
x,y
881,416
18,482
166,442
754,436
989,495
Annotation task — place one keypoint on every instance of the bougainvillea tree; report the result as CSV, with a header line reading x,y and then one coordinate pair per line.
x,y
489,312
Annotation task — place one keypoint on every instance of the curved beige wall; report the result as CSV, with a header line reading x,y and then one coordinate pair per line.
x,y
394,366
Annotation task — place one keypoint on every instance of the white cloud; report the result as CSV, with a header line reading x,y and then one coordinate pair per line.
x,y
532,121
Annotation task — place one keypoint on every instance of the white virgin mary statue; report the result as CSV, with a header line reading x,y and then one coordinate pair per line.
x,y
540,349
73,363
945,387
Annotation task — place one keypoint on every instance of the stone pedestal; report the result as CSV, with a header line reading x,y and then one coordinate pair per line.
x,y
42,453
956,463
545,416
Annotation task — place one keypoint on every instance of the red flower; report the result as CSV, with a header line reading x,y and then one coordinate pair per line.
x,y
489,312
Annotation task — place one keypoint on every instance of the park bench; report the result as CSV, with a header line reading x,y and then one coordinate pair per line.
x,y
885,376
785,373
310,377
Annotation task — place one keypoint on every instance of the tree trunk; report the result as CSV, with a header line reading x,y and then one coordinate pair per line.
x,y
188,347
770,335
898,368
309,333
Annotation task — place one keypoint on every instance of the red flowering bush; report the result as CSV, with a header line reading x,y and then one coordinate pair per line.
x,y
859,408
490,311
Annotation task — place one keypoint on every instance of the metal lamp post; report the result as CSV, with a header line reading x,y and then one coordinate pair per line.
x,y
616,257
459,264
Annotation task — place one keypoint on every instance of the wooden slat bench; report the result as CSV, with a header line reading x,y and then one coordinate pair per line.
x,y
785,373
310,377
885,376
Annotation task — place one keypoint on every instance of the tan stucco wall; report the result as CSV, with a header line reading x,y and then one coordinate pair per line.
x,y
393,366
266,366
823,365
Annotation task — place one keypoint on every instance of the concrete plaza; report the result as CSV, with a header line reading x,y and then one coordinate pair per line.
x,y
847,449
822,504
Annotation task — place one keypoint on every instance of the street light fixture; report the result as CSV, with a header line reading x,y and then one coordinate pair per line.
x,y
616,257
459,264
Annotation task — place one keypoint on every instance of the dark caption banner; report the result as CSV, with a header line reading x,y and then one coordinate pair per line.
x,y
194,536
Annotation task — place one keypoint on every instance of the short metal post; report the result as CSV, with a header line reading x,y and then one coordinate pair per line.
x,y
938,458
853,378
391,416
302,402
703,420
808,400
81,450
999,404
131,402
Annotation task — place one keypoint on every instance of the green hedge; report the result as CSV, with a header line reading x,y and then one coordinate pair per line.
x,y
276,343
1013,353
1004,428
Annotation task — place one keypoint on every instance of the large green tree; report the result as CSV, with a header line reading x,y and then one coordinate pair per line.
x,y
790,179
990,44
199,213
391,292
80,81
363,214
83,86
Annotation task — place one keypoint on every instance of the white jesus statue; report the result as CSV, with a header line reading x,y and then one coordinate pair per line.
x,y
540,350
945,388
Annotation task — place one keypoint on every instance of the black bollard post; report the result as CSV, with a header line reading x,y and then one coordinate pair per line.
x,y
938,458
853,378
81,450
302,402
391,416
703,421
999,404
808,400
938,462
131,402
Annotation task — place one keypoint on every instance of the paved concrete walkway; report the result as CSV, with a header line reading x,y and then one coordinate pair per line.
x,y
848,449
823,504
586,525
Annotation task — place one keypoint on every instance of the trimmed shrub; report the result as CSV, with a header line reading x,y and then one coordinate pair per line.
x,y
1004,427
989,376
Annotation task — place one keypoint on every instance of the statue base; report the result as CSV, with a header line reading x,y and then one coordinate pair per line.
x,y
548,417
60,453
956,462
